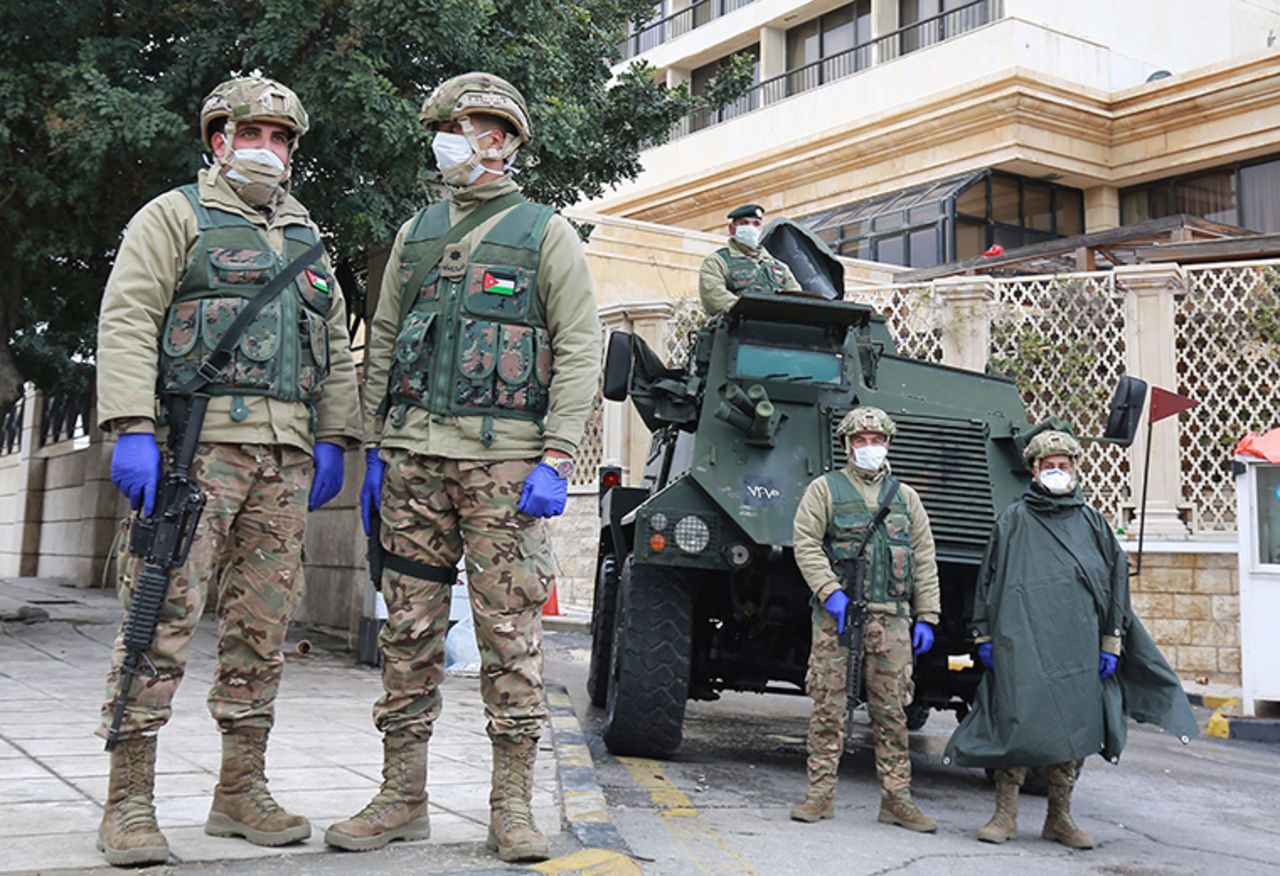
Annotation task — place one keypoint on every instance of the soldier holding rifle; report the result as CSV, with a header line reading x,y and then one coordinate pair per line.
x,y
865,548
223,326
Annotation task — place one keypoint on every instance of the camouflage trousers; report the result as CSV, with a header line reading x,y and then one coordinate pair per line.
x,y
249,544
887,665
434,509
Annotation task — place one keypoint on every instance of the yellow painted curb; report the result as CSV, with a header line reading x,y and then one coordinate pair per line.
x,y
1218,702
590,862
1218,726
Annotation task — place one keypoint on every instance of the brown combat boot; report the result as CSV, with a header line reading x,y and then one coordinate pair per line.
x,y
242,805
902,811
1003,826
512,832
129,834
1058,823
819,800
399,810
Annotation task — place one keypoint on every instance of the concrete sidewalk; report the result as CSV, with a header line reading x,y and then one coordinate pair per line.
x,y
323,761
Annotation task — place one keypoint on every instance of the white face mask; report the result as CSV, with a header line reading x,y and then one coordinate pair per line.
x,y
458,162
257,175
747,235
871,457
1057,481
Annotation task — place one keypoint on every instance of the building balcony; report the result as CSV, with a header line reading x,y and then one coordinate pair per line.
x,y
656,33
887,47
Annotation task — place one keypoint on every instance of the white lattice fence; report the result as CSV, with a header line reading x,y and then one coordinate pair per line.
x,y
914,314
1062,339
686,317
1227,343
591,448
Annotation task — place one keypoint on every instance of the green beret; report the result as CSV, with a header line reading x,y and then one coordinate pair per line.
x,y
747,211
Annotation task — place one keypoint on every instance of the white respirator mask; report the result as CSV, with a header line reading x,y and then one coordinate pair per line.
x,y
871,457
458,162
1056,481
257,175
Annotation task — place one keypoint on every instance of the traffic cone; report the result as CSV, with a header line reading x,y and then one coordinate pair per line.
x,y
552,606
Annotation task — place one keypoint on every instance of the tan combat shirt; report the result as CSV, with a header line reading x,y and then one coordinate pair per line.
x,y
568,298
713,277
812,517
153,256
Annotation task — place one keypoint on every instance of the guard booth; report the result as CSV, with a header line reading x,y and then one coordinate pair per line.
x,y
1258,513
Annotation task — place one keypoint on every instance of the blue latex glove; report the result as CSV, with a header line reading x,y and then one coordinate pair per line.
x,y
837,603
921,637
327,480
544,493
371,489
985,656
1107,665
135,469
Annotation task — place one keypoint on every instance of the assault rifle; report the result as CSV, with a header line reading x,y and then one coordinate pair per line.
x,y
164,539
854,575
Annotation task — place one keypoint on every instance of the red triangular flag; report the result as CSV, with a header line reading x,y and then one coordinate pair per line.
x,y
1166,404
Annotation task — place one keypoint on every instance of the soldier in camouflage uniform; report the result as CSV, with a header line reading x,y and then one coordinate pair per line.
x,y
901,583
742,265
482,364
272,443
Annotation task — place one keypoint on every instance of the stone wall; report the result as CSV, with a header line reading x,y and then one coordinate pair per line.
x,y
575,537
1190,603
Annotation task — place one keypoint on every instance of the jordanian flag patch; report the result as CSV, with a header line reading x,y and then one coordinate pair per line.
x,y
317,281
497,284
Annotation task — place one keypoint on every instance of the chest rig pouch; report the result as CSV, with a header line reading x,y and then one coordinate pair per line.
x,y
284,352
473,339
747,275
890,560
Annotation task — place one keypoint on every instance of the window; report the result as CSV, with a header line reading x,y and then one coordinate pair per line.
x,y
951,219
1247,195
826,48
702,77
781,363
924,27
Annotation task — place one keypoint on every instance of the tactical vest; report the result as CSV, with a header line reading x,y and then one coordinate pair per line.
x,y
890,560
474,340
764,277
284,352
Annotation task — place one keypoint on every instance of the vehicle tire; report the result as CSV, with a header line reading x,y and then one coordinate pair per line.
x,y
1035,783
603,613
917,715
649,670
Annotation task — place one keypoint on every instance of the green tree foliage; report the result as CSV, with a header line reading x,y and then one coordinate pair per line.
x,y
98,107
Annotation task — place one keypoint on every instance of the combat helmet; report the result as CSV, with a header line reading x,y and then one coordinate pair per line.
x,y
459,97
252,98
867,419
1051,443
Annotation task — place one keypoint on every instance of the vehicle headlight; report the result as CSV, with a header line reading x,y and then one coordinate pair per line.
x,y
692,534
658,522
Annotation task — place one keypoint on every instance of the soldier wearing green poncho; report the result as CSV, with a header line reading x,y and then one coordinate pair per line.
x,y
1067,661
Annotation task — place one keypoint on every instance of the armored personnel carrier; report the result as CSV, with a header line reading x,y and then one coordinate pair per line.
x,y
697,590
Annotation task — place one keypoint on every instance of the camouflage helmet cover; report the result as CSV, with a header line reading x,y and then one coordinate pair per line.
x,y
1051,443
478,92
252,98
866,419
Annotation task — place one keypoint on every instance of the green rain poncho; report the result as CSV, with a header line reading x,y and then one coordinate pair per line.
x,y
1052,592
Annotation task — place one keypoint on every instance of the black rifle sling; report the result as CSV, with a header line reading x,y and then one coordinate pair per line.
x,y
891,491
221,356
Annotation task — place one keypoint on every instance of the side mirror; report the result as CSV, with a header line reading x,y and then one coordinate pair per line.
x,y
1126,410
617,366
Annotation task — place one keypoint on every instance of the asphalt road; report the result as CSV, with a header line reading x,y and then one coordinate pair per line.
x,y
720,806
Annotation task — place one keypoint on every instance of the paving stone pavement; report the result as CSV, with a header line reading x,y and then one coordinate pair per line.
x,y
323,760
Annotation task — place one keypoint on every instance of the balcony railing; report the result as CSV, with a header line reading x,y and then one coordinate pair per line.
x,y
11,430
65,417
654,33
887,47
